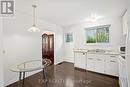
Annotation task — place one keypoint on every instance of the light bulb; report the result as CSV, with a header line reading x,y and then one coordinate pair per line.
x,y
34,29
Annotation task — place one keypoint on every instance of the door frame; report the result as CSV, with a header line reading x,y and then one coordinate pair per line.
x,y
50,32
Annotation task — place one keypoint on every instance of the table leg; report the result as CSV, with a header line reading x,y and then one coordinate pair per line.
x,y
20,74
45,77
23,77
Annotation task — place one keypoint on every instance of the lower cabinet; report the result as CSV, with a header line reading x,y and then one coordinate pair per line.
x,y
111,65
90,64
80,60
122,73
95,62
105,64
101,63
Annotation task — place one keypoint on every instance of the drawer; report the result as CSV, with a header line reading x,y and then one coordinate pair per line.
x,y
91,56
95,56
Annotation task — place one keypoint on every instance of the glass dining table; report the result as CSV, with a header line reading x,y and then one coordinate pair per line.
x,y
29,66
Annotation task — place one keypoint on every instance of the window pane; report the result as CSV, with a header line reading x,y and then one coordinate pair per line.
x,y
91,35
103,35
98,34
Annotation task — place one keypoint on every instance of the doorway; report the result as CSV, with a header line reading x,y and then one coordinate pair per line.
x,y
48,46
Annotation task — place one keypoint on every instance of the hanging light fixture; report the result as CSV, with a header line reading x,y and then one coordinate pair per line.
x,y
34,28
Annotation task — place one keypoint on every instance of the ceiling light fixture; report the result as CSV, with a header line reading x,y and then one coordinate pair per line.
x,y
34,28
93,18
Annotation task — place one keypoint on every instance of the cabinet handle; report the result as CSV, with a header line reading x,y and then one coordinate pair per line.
x,y
99,59
90,58
112,56
83,53
112,61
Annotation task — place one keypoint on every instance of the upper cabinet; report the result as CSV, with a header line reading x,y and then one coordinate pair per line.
x,y
125,22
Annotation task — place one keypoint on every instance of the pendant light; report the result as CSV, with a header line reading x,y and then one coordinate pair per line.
x,y
34,28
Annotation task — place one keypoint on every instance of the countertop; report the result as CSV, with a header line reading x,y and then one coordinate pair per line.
x,y
105,52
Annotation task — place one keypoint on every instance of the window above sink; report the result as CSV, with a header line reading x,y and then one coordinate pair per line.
x,y
98,34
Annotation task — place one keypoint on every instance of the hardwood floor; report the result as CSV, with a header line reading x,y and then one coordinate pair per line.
x,y
65,75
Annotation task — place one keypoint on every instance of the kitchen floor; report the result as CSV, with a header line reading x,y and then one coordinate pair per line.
x,y
65,75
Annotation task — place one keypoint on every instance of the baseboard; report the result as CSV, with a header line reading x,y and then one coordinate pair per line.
x,y
56,63
120,83
68,61
84,70
103,74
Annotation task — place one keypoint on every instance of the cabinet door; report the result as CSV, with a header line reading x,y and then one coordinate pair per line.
x,y
122,73
99,63
111,65
91,62
80,60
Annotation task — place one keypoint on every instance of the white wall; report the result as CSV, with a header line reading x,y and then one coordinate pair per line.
x,y
78,31
21,45
1,57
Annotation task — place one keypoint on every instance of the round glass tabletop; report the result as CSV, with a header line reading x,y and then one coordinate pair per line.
x,y
31,65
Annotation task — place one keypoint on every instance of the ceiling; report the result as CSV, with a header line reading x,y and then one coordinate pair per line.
x,y
67,12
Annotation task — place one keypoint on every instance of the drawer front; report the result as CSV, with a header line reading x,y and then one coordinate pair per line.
x,y
112,65
91,56
90,64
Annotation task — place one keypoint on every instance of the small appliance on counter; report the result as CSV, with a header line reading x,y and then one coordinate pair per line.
x,y
122,51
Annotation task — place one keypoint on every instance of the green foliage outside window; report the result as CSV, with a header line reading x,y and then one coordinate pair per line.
x,y
97,34
91,39
102,37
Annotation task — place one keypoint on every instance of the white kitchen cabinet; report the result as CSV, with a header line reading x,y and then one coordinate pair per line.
x,y
111,65
99,63
90,64
125,22
80,60
122,73
102,63
95,62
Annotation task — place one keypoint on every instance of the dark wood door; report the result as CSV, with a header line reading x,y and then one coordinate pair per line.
x,y
48,47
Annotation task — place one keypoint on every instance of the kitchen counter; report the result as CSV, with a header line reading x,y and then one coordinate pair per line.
x,y
102,61
80,50
95,51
